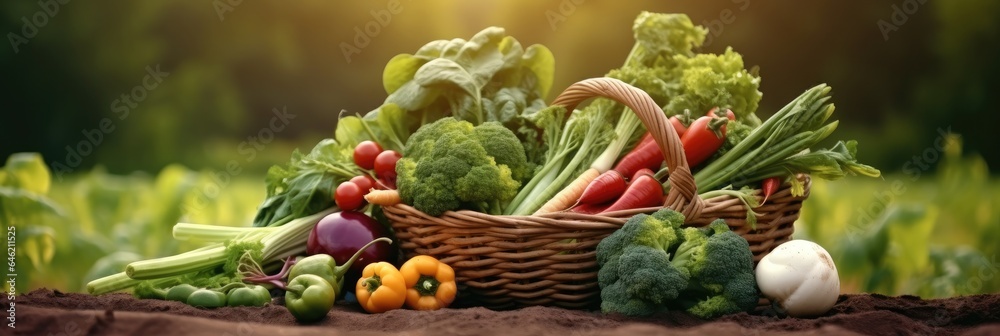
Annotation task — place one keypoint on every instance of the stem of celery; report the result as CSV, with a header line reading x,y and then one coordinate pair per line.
x,y
213,233
177,264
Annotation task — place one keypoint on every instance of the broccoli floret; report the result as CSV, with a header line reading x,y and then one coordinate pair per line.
x,y
736,131
423,141
506,153
721,267
447,166
650,264
635,274
641,282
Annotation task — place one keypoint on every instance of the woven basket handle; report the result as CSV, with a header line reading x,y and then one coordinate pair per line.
x,y
683,195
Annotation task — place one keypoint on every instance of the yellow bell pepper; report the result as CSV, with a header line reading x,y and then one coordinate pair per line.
x,y
381,288
430,284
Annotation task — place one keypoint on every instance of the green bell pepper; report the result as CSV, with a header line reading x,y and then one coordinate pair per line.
x,y
326,267
207,298
309,297
248,296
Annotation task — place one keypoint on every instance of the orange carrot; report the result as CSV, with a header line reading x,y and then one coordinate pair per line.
x,y
606,187
644,191
383,197
568,195
769,186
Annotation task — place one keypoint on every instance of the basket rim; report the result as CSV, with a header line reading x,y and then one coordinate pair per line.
x,y
717,204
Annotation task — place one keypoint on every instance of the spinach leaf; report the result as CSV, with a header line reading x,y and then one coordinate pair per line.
x,y
306,185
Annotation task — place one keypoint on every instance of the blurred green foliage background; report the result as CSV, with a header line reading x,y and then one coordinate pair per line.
x,y
903,73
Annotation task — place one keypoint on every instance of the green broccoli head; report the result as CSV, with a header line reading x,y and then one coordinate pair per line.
x,y
423,141
721,267
509,153
446,166
433,196
644,283
406,174
651,264
635,275
659,230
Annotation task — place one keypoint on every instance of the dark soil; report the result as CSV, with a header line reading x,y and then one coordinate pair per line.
x,y
47,312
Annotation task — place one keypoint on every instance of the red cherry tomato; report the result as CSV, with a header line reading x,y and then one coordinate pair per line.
x,y
365,153
364,182
385,165
348,196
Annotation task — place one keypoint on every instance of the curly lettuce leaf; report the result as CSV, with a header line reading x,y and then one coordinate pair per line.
x,y
709,80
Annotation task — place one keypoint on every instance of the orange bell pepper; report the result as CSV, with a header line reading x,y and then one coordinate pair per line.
x,y
430,284
381,288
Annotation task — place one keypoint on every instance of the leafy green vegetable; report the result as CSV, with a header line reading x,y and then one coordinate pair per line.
x,y
490,77
706,81
449,164
651,264
306,185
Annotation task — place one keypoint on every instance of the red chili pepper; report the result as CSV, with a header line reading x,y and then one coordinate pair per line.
x,y
678,126
769,186
703,138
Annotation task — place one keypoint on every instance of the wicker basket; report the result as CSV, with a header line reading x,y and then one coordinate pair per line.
x,y
504,262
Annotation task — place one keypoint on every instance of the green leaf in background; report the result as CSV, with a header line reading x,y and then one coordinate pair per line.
x,y
27,171
15,203
911,232
38,243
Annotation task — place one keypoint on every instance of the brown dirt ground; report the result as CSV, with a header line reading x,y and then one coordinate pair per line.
x,y
48,312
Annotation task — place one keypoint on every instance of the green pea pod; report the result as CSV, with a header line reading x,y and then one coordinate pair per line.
x,y
206,298
180,292
326,267
248,296
309,297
